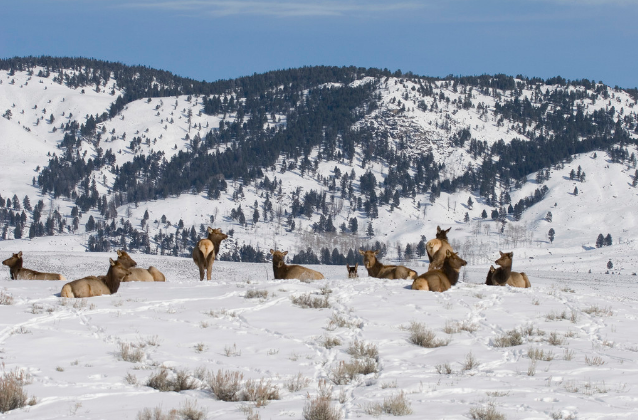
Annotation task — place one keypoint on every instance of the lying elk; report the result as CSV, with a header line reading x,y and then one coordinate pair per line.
x,y
18,273
436,248
378,270
97,285
206,250
504,275
352,271
138,274
284,271
440,280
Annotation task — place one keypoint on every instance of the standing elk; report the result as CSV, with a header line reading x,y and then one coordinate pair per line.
x,y
206,250
352,271
504,275
285,271
440,280
138,274
18,273
96,285
436,248
378,270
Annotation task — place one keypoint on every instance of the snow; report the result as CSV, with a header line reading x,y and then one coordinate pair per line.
x,y
70,348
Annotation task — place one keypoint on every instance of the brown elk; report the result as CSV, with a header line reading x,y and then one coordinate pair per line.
x,y
490,273
138,274
285,271
206,250
96,285
436,248
440,280
352,271
18,273
504,275
378,270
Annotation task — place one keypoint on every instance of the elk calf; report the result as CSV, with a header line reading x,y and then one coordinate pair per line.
x,y
284,271
18,273
352,271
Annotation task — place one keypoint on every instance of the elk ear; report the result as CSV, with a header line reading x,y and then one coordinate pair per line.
x,y
272,252
112,262
285,253
447,230
448,253
511,254
209,229
119,253
356,266
501,253
20,254
438,229
361,252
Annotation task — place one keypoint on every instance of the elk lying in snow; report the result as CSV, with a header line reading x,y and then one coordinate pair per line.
x,y
18,273
352,271
138,274
378,270
440,280
504,274
96,285
436,248
284,271
206,250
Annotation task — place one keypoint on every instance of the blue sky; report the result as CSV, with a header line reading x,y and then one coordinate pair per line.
x,y
221,39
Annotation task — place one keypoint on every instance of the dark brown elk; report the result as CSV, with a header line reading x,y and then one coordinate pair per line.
x,y
490,273
436,248
352,271
206,250
504,275
138,274
96,285
285,271
17,272
380,271
440,280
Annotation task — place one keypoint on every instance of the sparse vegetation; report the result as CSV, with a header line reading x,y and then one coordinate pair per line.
x,y
330,342
5,298
596,310
345,372
424,337
594,361
509,339
337,320
470,362
259,294
444,369
555,340
12,394
308,301
297,383
167,380
259,392
130,353
320,407
397,405
226,385
359,349
488,412
540,354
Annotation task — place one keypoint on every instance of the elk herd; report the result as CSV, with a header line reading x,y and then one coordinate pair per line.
x,y
443,270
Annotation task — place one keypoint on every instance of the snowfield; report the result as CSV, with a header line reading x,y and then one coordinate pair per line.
x,y
566,348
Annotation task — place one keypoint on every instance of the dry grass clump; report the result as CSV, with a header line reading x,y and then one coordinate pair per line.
x,y
555,316
509,339
330,342
12,394
555,340
345,372
424,337
168,381
297,383
260,392
220,313
397,405
225,384
594,361
5,298
595,310
540,354
259,294
486,413
320,408
339,321
232,351
308,301
454,327
130,353
470,362
359,349
188,411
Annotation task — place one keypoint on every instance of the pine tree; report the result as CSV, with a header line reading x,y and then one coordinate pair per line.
x,y
466,219
470,203
370,230
551,234
353,225
610,265
600,241
484,214
548,217
607,240
575,190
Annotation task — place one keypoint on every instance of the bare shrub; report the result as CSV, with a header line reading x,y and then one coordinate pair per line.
x,y
259,294
444,369
359,349
156,414
345,372
5,298
131,379
555,340
250,412
320,408
339,321
424,337
330,342
200,347
392,384
454,327
539,354
568,354
595,310
594,361
470,362
297,383
12,394
189,411
308,301
130,353
220,313
531,369
509,339
167,381
397,405
232,351
260,392
486,413
325,290
225,384
498,393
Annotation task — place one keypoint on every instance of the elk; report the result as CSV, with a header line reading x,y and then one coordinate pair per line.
x,y
436,248
352,271
378,270
206,250
138,274
285,271
440,280
96,285
490,273
18,273
504,275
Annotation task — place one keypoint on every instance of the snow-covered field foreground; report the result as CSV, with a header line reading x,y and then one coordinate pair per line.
x,y
566,348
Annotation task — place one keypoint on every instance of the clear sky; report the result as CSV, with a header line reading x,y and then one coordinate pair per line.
x,y
221,39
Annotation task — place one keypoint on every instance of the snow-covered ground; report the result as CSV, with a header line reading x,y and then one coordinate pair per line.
x,y
579,326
